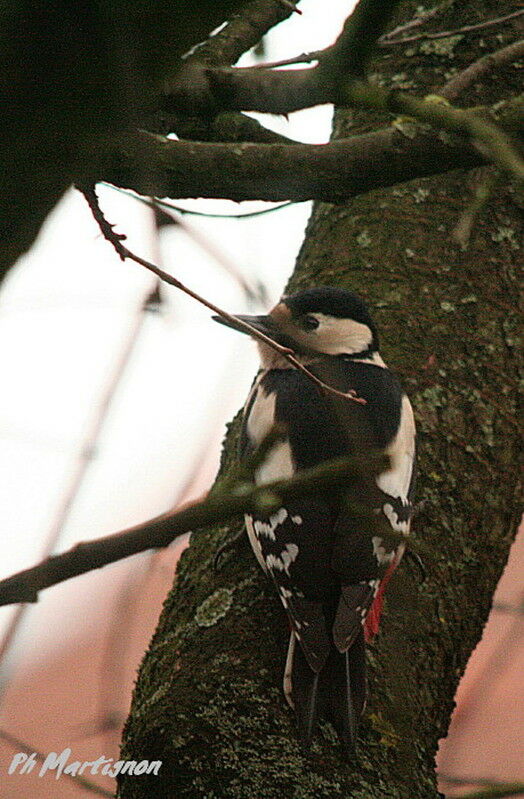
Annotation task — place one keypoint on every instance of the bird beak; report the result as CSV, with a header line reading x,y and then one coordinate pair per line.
x,y
264,324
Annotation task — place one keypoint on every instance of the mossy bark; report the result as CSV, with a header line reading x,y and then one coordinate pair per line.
x,y
208,700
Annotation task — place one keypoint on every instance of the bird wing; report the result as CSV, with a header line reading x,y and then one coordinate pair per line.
x,y
289,546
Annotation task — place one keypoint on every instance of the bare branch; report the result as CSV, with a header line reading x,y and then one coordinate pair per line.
x,y
489,23
116,240
289,90
243,31
158,202
220,506
226,126
416,22
331,172
479,68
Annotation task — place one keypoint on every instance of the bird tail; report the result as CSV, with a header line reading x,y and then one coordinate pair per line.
x,y
336,693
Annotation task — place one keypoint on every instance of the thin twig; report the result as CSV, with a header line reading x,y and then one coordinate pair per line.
x,y
303,58
416,22
22,746
77,474
489,23
116,240
155,202
388,39
506,607
225,502
472,73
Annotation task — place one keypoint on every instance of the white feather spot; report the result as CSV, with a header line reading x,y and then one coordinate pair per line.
x,y
392,516
282,563
272,562
296,519
288,685
268,528
381,554
288,555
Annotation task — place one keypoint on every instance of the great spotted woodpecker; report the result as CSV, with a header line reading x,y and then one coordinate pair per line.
x,y
327,561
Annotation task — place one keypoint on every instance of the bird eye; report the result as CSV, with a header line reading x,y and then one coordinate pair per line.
x,y
308,322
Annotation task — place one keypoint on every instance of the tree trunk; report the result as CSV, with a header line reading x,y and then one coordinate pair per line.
x,y
208,700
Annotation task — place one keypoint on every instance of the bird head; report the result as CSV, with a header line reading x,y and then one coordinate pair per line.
x,y
318,321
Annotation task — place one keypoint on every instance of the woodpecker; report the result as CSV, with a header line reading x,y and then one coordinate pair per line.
x,y
329,565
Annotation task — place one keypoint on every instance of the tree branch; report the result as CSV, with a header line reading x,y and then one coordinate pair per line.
x,y
289,90
332,172
475,71
223,504
242,32
489,23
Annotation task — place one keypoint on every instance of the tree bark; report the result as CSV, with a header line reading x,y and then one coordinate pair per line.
x,y
208,701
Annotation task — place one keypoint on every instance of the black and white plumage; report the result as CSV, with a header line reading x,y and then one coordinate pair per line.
x,y
328,563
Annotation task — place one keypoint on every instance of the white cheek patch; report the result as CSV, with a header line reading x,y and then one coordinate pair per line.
x,y
338,336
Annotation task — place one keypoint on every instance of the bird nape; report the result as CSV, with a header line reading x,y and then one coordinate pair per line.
x,y
330,563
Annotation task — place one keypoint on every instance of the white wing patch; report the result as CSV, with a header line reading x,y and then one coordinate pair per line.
x,y
278,464
262,415
396,480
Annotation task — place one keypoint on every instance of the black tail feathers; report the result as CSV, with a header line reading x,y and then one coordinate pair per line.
x,y
337,693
